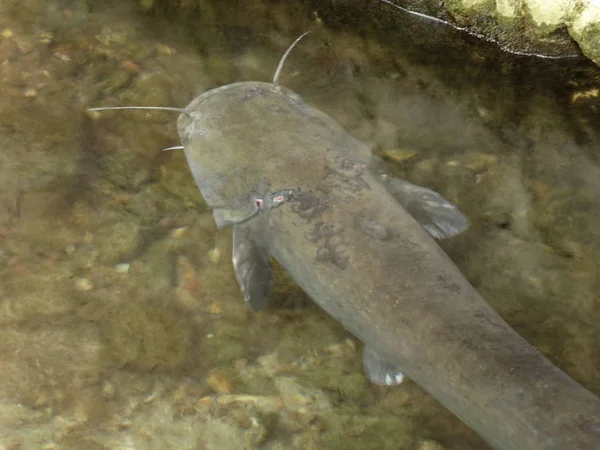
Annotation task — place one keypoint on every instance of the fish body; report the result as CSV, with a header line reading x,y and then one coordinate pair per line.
x,y
296,186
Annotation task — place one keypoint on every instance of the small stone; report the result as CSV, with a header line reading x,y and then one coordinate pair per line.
x,y
214,255
83,284
62,56
484,113
30,93
270,364
430,445
108,390
46,38
400,154
219,383
350,344
540,188
130,66
299,398
177,232
240,364
580,96
94,115
476,161
122,268
427,166
189,288
214,308
165,50
265,403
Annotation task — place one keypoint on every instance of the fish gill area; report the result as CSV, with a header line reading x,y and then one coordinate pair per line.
x,y
121,322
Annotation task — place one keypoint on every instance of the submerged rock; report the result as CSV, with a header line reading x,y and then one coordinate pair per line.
x,y
545,28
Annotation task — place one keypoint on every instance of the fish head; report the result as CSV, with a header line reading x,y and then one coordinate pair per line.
x,y
239,140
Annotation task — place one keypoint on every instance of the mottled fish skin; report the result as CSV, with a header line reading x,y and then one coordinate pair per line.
x,y
357,244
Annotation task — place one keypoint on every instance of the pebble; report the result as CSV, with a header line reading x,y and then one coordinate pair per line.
x,y
46,37
83,284
270,364
265,403
400,154
475,161
108,389
62,56
130,66
178,232
122,268
299,398
214,308
214,255
189,288
430,445
219,383
581,96
165,50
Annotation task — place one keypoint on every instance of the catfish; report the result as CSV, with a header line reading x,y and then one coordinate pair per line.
x,y
294,185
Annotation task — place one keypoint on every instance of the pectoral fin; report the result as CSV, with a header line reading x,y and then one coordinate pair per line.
x,y
378,370
251,264
440,218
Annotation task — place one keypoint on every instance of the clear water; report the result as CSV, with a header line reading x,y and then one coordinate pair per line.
x,y
121,324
